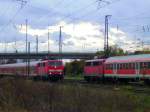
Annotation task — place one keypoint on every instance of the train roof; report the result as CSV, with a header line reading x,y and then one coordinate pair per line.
x,y
129,58
94,60
19,64
32,63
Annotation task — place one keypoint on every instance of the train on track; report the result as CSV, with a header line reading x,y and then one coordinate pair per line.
x,y
47,69
124,68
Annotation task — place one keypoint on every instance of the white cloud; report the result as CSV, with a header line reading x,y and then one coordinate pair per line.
x,y
83,36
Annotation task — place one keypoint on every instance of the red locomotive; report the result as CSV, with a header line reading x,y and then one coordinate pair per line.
x,y
48,69
132,67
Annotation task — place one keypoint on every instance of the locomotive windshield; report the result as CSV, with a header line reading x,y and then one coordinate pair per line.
x,y
56,63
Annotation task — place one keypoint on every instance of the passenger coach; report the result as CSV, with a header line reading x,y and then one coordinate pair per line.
x,y
136,67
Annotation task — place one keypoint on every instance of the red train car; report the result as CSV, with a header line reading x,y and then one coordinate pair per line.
x,y
136,67
128,67
48,69
94,69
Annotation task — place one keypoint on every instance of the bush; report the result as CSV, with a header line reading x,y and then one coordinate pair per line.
x,y
18,95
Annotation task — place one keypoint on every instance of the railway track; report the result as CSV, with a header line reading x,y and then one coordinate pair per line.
x,y
137,87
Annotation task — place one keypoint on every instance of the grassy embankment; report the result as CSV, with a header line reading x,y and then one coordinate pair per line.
x,y
18,95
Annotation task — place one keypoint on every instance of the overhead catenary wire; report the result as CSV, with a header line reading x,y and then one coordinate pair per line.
x,y
11,20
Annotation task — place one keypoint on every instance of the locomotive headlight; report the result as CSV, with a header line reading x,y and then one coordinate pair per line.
x,y
55,70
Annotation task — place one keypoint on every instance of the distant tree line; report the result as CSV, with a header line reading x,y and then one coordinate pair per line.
x,y
112,51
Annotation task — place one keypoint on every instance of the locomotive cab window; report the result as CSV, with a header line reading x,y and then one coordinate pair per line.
x,y
57,63
38,64
43,64
95,63
88,64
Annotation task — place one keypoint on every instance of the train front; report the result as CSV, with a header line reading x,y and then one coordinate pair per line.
x,y
55,69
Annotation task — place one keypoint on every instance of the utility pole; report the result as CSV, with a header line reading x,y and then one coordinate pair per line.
x,y
48,43
60,42
5,47
26,35
26,48
28,59
15,46
37,44
106,39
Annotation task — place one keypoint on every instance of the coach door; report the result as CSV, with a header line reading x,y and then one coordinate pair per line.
x,y
137,69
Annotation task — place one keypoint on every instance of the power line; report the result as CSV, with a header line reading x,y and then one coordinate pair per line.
x,y
11,20
22,2
91,12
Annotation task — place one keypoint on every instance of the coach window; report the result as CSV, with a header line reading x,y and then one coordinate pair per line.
x,y
127,66
141,65
114,66
130,65
111,66
100,63
38,65
123,66
145,65
148,64
120,66
106,66
43,64
117,66
133,66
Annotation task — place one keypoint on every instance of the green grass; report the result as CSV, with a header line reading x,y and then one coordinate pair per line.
x,y
75,77
18,95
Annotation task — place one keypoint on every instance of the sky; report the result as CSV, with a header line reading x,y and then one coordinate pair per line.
x,y
82,24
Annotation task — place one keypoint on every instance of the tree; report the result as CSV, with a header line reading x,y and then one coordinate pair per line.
x,y
144,51
112,51
75,67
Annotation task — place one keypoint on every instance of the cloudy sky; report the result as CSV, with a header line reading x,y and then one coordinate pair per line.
x,y
82,24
